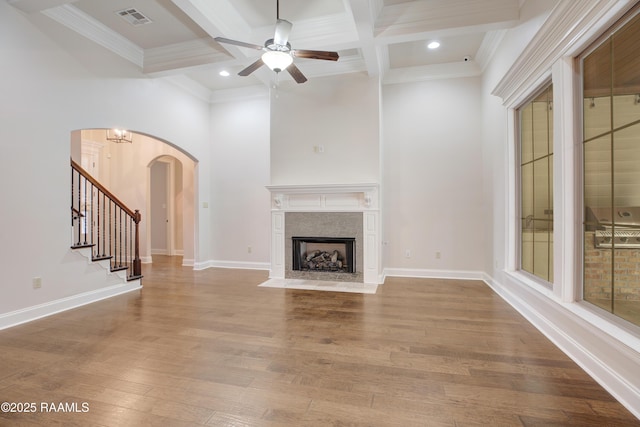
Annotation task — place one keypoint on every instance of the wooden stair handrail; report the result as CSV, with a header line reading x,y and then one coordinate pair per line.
x,y
102,188
135,267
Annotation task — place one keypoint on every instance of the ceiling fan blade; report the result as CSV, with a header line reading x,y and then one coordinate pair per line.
x,y
251,68
296,73
315,54
283,28
237,43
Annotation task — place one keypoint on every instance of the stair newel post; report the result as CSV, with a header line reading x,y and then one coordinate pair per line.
x,y
137,264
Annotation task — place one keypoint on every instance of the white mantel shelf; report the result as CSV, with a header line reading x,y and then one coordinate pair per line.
x,y
322,188
359,197
324,197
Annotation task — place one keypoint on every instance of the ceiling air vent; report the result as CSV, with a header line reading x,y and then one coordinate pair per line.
x,y
133,17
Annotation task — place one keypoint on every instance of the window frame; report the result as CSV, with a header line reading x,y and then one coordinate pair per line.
x,y
590,307
540,89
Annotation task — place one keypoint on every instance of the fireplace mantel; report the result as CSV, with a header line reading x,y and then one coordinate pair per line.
x,y
327,198
320,197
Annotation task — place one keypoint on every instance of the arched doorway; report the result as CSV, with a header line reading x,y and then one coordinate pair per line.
x,y
125,168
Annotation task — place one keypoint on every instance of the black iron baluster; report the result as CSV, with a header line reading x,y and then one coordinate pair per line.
x,y
72,213
91,223
85,210
126,260
79,211
120,246
98,225
104,221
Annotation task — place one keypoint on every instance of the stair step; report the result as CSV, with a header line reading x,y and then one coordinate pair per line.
x,y
83,245
124,267
100,258
130,278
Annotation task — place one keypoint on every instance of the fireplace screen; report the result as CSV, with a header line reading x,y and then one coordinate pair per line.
x,y
334,254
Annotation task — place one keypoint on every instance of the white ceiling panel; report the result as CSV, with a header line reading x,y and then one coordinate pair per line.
x,y
452,49
383,38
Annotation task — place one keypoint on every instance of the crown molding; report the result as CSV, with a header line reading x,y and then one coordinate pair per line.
x,y
571,26
414,17
452,70
488,48
78,21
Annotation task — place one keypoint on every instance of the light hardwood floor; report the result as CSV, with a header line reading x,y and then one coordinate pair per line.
x,y
212,348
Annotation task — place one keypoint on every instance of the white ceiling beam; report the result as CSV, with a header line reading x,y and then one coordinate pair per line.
x,y
32,6
220,19
364,19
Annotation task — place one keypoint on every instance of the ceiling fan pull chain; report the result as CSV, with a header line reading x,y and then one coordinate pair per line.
x,y
276,87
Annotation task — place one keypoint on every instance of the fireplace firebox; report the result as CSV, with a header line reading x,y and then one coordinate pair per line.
x,y
330,254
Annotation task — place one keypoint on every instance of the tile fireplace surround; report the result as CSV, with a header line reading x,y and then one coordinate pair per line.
x,y
328,199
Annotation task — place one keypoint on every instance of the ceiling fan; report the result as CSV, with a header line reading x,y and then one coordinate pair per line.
x,y
278,54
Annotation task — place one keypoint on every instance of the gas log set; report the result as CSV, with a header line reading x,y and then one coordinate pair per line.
x,y
323,260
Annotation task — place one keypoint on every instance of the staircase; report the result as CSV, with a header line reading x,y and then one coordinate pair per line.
x,y
104,226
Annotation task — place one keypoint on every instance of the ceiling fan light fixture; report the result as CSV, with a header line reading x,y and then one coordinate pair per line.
x,y
277,60
433,45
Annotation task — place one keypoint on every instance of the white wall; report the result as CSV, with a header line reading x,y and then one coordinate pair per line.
x,y
432,175
339,113
45,94
240,204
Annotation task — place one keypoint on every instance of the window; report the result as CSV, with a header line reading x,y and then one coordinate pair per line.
x,y
611,171
536,185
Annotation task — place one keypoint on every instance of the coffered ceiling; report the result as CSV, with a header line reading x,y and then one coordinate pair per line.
x,y
385,38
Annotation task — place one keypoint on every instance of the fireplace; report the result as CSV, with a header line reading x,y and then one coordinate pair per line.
x,y
327,212
324,254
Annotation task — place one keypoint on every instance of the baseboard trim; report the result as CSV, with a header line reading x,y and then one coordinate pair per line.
x,y
432,274
188,262
35,312
608,361
232,264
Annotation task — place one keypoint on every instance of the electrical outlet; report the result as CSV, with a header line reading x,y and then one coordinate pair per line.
x,y
37,282
438,254
407,253
249,249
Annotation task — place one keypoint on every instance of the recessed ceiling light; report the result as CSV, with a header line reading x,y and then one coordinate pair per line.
x,y
224,73
433,45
